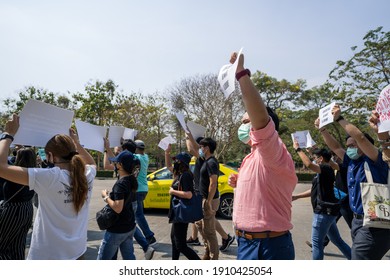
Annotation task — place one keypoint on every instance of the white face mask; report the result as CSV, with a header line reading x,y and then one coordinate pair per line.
x,y
244,132
201,153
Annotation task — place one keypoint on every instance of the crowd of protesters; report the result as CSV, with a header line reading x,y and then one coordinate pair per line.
x,y
263,196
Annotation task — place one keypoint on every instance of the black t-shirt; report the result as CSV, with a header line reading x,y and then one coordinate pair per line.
x,y
185,182
322,194
8,189
341,178
209,167
123,190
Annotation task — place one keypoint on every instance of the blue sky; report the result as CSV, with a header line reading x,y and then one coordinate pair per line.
x,y
148,46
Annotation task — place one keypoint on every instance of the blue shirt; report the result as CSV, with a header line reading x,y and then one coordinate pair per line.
x,y
143,172
356,175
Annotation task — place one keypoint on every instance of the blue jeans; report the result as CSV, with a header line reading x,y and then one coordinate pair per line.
x,y
140,217
326,225
139,237
113,241
277,248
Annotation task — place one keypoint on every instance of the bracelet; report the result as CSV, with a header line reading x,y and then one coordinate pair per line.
x,y
339,118
386,141
298,150
242,73
322,130
105,198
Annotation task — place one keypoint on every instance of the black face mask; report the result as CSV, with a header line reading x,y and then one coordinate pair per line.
x,y
176,166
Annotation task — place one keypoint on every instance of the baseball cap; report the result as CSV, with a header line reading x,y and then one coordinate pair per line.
x,y
183,157
140,144
126,158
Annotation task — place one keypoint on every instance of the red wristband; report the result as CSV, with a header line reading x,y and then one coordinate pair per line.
x,y
242,73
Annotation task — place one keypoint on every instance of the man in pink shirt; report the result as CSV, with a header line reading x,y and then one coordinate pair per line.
x,y
265,183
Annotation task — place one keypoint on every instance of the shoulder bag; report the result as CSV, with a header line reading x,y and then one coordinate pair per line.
x,y
187,210
107,217
376,201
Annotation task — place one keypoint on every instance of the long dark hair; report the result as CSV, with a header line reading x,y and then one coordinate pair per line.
x,y
62,146
26,157
182,167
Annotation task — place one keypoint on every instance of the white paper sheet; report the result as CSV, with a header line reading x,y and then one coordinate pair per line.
x,y
91,136
182,122
227,77
383,109
115,133
325,115
166,141
129,133
40,121
304,138
196,129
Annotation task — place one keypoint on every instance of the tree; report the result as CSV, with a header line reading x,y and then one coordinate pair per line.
x,y
149,116
97,104
15,105
359,80
202,101
277,94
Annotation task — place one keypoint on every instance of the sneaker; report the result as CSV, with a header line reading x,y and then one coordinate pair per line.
x,y
152,241
226,243
191,241
308,243
149,253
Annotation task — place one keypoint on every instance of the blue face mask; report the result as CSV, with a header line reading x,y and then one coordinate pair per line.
x,y
243,132
201,153
352,153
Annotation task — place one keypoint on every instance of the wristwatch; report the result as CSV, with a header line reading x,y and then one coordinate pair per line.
x,y
6,136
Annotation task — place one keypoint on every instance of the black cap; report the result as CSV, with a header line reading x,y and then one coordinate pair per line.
x,y
127,159
183,157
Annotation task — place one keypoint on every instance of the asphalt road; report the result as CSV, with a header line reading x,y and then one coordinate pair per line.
x,y
158,222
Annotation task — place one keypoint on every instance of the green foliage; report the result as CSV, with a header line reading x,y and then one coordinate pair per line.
x,y
277,94
105,174
15,105
355,84
96,105
359,80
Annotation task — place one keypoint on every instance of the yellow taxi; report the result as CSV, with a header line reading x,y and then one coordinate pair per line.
x,y
160,181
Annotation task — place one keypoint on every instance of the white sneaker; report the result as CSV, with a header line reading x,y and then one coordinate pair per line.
x,y
149,253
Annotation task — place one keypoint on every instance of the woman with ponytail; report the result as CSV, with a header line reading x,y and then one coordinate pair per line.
x,y
60,227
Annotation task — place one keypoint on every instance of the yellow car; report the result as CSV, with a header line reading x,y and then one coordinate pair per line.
x,y
160,181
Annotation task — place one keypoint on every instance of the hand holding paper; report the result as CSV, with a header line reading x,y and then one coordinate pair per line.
x,y
12,125
303,138
165,142
227,76
326,115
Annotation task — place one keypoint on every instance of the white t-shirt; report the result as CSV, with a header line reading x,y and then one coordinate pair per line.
x,y
59,232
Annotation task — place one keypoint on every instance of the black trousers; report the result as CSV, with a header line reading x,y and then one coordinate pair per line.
x,y
179,242
15,221
369,243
